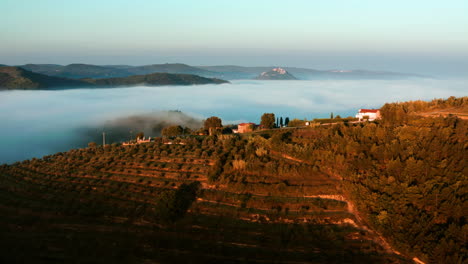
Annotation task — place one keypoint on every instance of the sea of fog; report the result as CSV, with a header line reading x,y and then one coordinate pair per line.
x,y
38,123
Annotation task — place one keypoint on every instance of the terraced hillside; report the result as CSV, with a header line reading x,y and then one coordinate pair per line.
x,y
200,200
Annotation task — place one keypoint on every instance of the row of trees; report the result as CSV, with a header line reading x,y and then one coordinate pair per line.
x,y
213,125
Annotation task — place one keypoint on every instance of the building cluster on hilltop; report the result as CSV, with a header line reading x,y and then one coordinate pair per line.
x,y
217,128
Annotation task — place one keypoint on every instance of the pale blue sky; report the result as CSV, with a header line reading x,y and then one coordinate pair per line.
x,y
419,36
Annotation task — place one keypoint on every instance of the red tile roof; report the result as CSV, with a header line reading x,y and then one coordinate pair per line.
x,y
368,110
246,124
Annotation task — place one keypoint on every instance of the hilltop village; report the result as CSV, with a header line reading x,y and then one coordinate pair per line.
x,y
213,126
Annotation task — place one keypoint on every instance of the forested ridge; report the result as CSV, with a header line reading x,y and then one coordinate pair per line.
x,y
19,78
407,174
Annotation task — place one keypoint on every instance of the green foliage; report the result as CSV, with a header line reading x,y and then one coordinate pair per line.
x,y
174,131
398,113
172,205
213,122
140,135
281,138
268,120
337,119
296,123
408,179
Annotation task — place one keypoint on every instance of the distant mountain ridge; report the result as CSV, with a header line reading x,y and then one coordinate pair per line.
x,y
226,72
19,78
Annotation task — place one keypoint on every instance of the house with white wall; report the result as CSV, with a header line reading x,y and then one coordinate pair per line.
x,y
368,114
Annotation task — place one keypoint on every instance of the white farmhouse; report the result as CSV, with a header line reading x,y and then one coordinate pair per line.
x,y
368,114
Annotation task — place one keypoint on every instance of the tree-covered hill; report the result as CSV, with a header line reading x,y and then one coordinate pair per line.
x,y
155,79
202,199
76,70
407,174
179,68
18,78
373,192
80,71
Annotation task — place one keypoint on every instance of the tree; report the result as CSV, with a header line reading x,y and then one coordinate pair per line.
x,y
172,205
268,120
286,121
281,122
331,115
213,122
296,123
140,135
172,131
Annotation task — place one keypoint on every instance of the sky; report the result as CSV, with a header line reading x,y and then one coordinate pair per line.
x,y
427,37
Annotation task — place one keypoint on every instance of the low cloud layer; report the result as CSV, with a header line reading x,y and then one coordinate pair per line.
x,y
125,128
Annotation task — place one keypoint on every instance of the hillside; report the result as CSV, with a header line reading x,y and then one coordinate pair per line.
x,y
373,192
18,78
213,199
155,79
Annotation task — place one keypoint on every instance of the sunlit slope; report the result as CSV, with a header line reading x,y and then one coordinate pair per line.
x,y
124,204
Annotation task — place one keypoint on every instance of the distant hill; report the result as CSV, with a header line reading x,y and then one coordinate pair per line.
x,y
276,74
77,71
233,72
155,79
18,78
170,68
47,69
226,72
